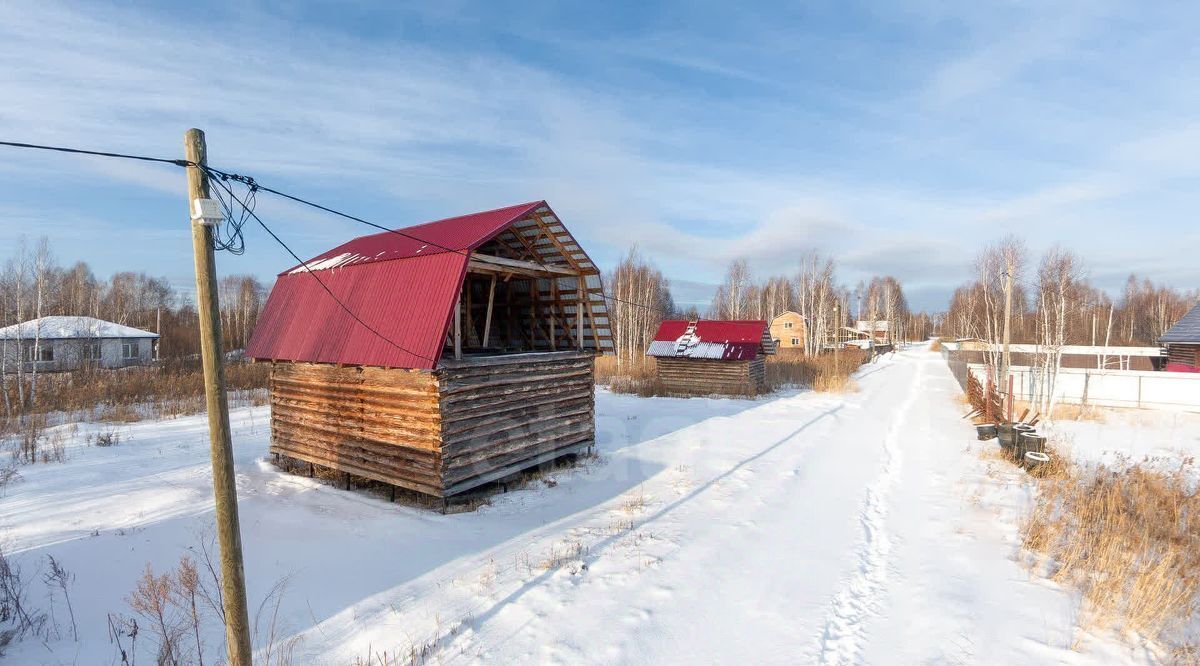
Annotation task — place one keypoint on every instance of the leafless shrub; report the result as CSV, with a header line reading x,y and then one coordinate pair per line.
x,y
275,650
152,601
8,472
184,596
208,587
14,601
106,438
29,438
121,630
58,578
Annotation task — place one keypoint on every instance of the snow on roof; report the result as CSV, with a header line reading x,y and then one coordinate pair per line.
x,y
722,340
70,328
1186,329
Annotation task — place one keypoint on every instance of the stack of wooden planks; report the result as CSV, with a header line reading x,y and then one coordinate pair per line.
x,y
438,432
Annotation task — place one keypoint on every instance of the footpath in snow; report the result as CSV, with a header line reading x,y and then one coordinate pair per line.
x,y
800,528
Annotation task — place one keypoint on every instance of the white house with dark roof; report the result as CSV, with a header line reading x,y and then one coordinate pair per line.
x,y
55,344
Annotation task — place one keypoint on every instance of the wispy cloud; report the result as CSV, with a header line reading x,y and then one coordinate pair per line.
x,y
727,139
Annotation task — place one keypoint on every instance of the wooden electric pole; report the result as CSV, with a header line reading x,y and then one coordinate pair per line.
x,y
233,578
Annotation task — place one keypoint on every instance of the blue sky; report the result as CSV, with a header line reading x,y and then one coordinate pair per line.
x,y
898,138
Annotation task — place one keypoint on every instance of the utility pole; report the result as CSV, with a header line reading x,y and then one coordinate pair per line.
x,y
233,577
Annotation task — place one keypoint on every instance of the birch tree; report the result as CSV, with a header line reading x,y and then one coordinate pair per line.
x,y
641,298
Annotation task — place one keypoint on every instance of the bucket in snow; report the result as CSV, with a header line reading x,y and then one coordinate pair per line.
x,y
985,431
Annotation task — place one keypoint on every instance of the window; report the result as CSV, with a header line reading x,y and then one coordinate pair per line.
x,y
787,324
43,353
129,350
795,341
91,351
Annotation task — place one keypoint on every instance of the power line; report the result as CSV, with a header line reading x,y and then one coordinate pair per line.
x,y
332,211
80,151
233,241
252,214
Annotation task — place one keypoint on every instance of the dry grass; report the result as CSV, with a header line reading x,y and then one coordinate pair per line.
x,y
823,372
1068,412
122,395
787,369
636,376
1129,540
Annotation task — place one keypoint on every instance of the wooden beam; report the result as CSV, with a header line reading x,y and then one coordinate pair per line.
x,y
458,329
524,243
553,319
504,264
470,317
487,322
545,229
595,329
579,313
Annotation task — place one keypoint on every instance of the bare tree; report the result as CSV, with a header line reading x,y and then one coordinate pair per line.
x,y
641,297
816,294
1058,287
734,296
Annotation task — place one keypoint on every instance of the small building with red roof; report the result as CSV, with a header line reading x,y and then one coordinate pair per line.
x,y
708,357
437,357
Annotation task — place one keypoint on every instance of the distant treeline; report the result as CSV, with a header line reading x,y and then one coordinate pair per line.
x,y
33,284
1054,303
642,299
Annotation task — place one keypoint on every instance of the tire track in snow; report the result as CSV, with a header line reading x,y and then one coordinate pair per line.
x,y
860,597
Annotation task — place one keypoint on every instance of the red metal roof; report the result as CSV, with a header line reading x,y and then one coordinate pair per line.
x,y
713,330
712,339
403,289
465,232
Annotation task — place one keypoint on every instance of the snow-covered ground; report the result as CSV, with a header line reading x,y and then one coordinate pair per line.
x,y
800,528
1118,437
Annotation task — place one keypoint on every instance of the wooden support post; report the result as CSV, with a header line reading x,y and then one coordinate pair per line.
x,y
458,329
553,320
579,312
233,581
467,309
532,315
487,323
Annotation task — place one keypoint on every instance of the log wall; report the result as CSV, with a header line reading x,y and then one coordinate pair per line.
x,y
441,432
695,376
502,414
1185,354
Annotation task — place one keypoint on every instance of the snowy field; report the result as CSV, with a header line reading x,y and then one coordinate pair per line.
x,y
801,528
1120,437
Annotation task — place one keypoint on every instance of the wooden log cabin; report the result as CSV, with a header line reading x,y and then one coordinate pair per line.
x,y
438,357
1183,343
712,357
